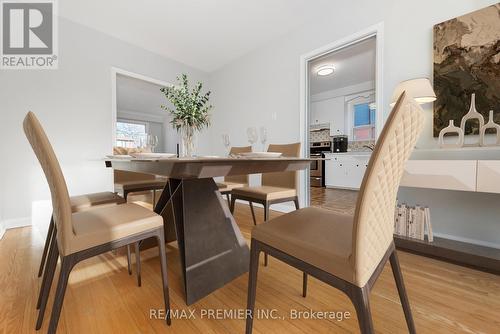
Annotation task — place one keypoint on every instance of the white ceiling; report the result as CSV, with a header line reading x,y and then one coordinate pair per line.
x,y
205,34
353,65
139,96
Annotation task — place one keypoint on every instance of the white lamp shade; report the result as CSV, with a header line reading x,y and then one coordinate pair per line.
x,y
420,89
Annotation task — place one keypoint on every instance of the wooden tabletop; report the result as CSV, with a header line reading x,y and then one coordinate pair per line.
x,y
204,167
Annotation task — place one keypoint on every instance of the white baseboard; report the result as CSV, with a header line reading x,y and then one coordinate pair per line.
x,y
17,222
13,223
468,240
2,230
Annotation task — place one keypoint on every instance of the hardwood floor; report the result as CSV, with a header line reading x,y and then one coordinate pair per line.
x,y
343,201
103,298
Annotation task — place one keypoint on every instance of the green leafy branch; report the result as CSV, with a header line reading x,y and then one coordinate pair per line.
x,y
191,108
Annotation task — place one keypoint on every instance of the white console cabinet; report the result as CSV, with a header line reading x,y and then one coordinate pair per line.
x,y
464,175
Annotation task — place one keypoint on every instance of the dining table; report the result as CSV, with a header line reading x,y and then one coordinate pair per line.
x,y
212,249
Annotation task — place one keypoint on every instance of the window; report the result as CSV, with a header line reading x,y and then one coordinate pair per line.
x,y
361,114
130,133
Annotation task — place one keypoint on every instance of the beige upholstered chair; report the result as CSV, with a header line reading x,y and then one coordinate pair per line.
x,y
80,203
85,234
348,252
235,181
132,182
276,187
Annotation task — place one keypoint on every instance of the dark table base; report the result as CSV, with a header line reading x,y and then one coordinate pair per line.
x,y
212,249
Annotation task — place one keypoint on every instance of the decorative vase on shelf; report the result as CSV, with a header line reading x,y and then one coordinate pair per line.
x,y
451,128
490,125
471,115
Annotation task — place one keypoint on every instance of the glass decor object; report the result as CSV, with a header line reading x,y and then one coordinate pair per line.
x,y
187,141
470,116
151,142
227,142
252,135
490,125
263,137
451,128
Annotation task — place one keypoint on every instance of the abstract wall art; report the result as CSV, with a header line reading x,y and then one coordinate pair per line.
x,y
467,61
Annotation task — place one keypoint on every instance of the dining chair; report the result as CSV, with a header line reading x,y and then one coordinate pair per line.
x,y
89,233
132,182
234,181
344,251
80,203
278,187
126,183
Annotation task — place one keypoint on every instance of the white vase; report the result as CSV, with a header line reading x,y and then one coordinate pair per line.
x,y
490,125
471,115
451,128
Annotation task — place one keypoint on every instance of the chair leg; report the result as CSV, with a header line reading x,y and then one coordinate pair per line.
x,y
228,198
163,262
296,202
231,207
252,284
48,277
46,247
360,299
138,262
266,218
129,264
253,213
66,266
49,264
266,211
304,284
398,277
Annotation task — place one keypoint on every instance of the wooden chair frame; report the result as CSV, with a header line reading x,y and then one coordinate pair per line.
x,y
358,295
267,204
69,261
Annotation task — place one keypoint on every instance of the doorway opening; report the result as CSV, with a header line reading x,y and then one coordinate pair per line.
x,y
137,118
341,117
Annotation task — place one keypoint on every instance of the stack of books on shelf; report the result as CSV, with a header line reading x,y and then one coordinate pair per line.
x,y
413,222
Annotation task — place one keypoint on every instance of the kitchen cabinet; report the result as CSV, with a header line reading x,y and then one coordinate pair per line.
x,y
345,170
330,111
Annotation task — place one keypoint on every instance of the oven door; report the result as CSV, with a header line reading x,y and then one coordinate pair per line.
x,y
316,168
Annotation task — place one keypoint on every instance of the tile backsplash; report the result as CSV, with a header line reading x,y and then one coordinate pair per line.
x,y
359,145
324,135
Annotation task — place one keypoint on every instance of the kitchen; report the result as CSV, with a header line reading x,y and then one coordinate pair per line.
x,y
342,118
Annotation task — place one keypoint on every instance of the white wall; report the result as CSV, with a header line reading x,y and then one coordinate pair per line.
x,y
68,101
265,83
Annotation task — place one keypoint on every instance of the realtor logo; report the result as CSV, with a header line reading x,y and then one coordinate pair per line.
x,y
29,34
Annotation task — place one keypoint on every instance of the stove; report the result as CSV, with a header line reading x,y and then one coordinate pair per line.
x,y
317,170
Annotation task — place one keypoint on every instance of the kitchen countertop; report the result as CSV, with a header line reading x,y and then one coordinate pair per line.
x,y
351,153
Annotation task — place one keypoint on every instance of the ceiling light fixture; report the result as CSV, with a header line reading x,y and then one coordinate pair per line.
x,y
325,70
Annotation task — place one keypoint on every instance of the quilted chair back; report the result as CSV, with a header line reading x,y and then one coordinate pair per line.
x,y
374,217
